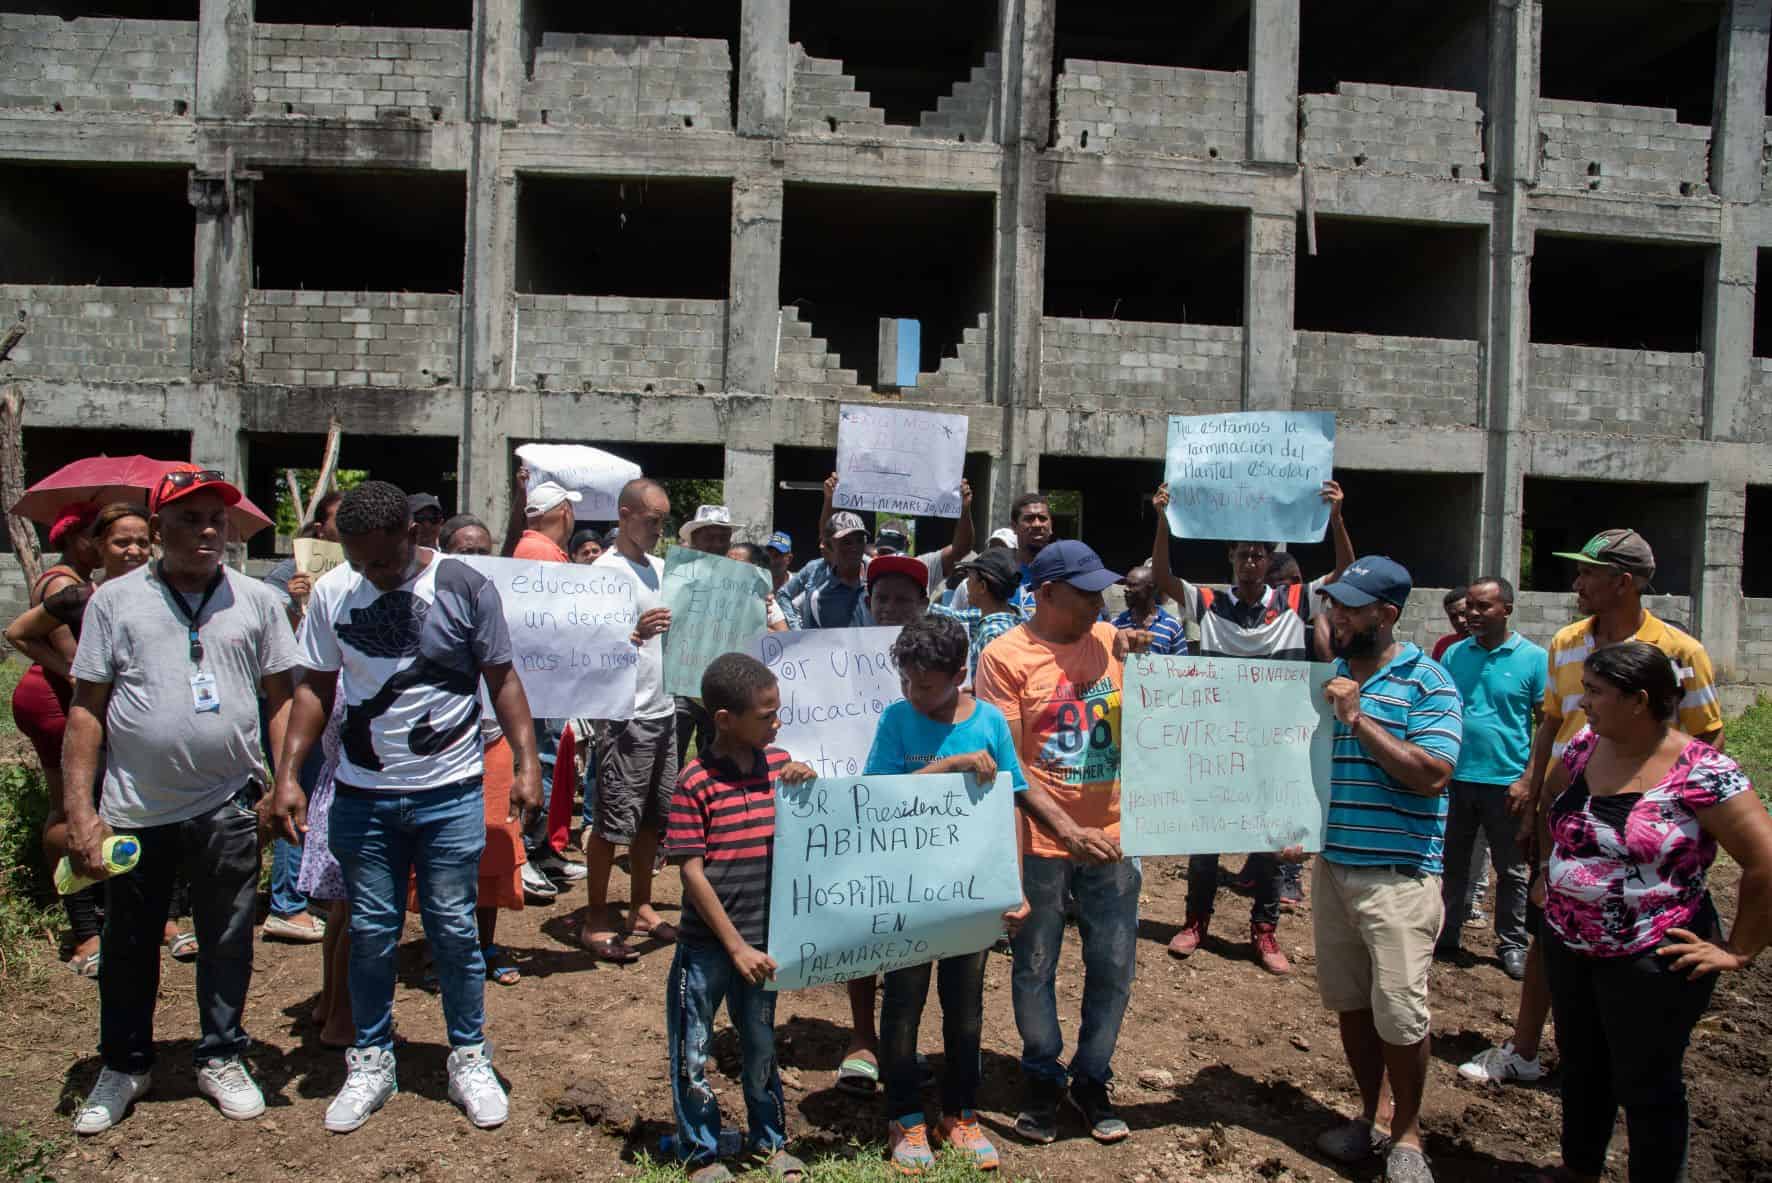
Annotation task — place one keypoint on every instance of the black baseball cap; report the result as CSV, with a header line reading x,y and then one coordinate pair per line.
x,y
997,567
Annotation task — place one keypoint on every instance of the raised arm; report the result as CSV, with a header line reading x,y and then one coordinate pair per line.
x,y
1167,584
830,503
1344,545
964,533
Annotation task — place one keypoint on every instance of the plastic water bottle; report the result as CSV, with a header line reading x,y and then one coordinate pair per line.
x,y
120,851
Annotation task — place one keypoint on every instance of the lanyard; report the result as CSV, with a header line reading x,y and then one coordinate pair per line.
x,y
184,609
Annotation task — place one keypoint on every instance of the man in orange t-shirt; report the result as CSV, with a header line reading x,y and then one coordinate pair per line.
x,y
1057,680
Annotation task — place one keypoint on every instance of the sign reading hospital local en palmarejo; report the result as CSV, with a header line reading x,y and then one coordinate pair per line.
x,y
874,873
1223,755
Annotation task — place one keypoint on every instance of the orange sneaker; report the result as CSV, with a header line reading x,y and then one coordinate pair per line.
x,y
907,1145
963,1133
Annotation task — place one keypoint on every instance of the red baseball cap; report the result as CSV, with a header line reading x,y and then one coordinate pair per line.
x,y
186,479
906,565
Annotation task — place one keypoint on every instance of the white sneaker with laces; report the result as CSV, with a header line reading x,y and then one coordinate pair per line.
x,y
231,1087
474,1086
367,1088
1499,1065
110,1099
537,884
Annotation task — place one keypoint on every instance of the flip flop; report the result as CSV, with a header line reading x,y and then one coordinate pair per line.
x,y
183,947
613,950
87,966
858,1076
498,967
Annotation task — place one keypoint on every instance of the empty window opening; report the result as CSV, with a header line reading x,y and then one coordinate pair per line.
x,y
1756,543
416,463
799,491
1438,44
1427,521
905,54
1127,260
851,257
1763,305
129,10
1619,295
1104,502
1644,53
1561,515
1210,35
62,224
49,448
395,14
692,474
360,231
1392,277
631,236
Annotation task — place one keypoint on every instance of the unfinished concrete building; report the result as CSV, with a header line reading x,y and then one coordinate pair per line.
x,y
1512,245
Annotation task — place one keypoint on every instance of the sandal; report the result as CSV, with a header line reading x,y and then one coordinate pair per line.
x,y
664,932
858,1076
612,949
498,966
87,966
183,947
784,1166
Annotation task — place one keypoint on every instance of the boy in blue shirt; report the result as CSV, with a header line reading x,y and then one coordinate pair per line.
x,y
938,728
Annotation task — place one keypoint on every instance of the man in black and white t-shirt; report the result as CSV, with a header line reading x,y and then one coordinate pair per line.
x,y
407,637
1248,618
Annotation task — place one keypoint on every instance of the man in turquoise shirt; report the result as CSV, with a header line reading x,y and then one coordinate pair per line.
x,y
1500,675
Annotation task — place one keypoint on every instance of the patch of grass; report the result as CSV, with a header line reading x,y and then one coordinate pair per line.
x,y
25,1156
11,670
860,1163
1748,738
27,899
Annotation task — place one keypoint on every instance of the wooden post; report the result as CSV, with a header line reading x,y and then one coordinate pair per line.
x,y
12,482
328,467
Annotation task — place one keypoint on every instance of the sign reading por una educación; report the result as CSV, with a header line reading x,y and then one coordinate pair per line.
x,y
835,684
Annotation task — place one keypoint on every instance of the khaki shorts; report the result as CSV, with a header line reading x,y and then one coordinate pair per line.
x,y
1375,931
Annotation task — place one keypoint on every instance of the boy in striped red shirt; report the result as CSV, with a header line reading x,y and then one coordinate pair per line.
x,y
722,833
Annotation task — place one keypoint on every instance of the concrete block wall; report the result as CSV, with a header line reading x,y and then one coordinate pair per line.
x,y
1187,369
618,343
101,334
1393,129
824,102
1755,426
404,339
968,112
630,82
805,366
97,64
1537,614
1120,107
1754,655
960,378
1615,391
359,72
1424,381
1611,148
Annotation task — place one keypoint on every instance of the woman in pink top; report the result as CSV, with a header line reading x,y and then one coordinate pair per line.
x,y
1633,942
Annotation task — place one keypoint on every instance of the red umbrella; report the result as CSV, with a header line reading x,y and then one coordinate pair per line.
x,y
104,479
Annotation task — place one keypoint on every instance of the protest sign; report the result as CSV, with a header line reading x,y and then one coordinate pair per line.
x,y
571,632
835,683
899,461
1223,755
596,475
716,607
315,557
875,873
1250,475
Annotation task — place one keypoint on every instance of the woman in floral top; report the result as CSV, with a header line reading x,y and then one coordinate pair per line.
x,y
1633,941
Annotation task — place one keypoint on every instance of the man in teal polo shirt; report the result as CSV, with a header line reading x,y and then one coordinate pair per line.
x,y
1500,675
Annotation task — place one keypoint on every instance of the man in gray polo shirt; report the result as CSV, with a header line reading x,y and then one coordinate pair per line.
x,y
173,659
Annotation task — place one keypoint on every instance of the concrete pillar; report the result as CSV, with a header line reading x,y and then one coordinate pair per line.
x,y
1718,605
753,301
1273,81
222,277
1270,281
749,491
1738,125
224,59
1727,332
215,429
765,69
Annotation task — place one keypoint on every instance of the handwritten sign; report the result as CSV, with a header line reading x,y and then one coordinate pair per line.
x,y
899,461
716,607
316,557
1222,755
597,476
571,632
1254,475
872,874
835,684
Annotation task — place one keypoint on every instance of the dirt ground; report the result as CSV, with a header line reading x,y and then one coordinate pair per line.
x,y
1256,1069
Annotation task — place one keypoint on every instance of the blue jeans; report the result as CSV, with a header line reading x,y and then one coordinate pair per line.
x,y
1107,918
286,899
701,976
379,839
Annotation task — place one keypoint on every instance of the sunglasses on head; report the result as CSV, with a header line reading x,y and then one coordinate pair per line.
x,y
184,480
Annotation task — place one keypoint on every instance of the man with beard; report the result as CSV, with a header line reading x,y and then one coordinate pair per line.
x,y
1398,732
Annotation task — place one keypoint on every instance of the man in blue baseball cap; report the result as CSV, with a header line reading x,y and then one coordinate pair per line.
x,y
779,548
1057,679
1376,892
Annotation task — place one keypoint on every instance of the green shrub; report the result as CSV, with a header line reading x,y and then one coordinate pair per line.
x,y
25,1156
27,897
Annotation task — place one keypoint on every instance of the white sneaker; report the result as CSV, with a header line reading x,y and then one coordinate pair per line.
x,y
474,1086
109,1100
1499,1065
537,884
231,1087
367,1088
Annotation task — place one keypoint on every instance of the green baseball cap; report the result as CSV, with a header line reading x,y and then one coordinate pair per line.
x,y
1622,548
